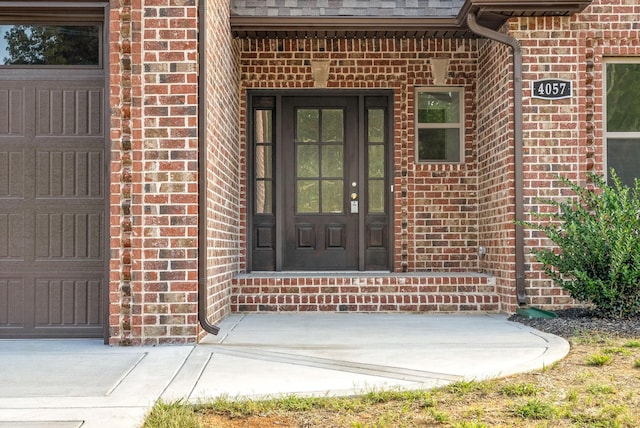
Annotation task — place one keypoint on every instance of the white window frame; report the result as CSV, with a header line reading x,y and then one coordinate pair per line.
x,y
606,133
459,125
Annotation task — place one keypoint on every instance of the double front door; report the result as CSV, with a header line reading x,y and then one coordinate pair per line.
x,y
320,182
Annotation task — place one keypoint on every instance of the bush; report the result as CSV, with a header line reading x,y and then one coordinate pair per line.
x,y
597,234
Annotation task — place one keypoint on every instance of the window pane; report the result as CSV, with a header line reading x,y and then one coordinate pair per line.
x,y
623,155
308,161
308,196
332,161
263,197
376,125
376,161
439,145
332,126
307,125
376,196
264,162
438,107
332,191
263,126
49,44
623,103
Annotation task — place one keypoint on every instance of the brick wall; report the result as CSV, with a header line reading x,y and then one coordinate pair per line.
x,y
494,134
373,292
565,136
222,158
435,204
122,54
442,212
154,199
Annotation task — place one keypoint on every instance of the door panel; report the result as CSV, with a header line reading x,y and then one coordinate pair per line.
x,y
52,206
320,151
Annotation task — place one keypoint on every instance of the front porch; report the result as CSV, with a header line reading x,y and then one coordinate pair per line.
x,y
364,292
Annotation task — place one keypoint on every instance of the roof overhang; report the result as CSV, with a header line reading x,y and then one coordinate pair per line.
x,y
494,13
344,27
490,13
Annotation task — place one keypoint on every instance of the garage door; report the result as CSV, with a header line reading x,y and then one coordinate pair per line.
x,y
52,201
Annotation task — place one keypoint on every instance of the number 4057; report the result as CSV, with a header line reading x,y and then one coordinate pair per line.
x,y
551,89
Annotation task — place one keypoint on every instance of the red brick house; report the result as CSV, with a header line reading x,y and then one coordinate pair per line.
x,y
164,163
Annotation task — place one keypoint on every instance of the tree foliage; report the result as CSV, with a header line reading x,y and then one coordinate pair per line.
x,y
597,238
51,45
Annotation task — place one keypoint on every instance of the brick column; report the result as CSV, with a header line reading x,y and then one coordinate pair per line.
x,y
154,192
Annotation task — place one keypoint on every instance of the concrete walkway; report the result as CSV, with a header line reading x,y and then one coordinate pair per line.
x,y
83,383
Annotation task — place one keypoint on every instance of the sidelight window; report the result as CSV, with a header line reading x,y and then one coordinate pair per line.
x,y
263,172
376,160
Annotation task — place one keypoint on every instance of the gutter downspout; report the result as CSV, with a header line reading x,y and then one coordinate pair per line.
x,y
202,178
518,143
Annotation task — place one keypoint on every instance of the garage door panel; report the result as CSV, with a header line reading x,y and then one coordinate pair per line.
x,y
12,239
68,302
12,169
52,205
69,236
68,111
12,302
11,112
72,172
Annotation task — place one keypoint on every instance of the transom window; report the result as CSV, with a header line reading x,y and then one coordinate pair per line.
x,y
622,126
50,44
439,124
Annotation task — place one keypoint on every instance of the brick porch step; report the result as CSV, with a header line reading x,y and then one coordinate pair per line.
x,y
364,292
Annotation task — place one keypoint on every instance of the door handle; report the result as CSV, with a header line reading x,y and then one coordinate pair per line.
x,y
354,196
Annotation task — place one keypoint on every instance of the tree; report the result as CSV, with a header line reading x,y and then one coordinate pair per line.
x,y
52,45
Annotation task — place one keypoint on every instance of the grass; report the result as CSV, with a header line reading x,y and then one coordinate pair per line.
x,y
173,415
599,359
520,390
596,385
535,409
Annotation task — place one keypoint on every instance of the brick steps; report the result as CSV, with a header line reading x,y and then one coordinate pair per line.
x,y
364,292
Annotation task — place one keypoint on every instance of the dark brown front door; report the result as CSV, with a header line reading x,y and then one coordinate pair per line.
x,y
321,188
52,203
321,182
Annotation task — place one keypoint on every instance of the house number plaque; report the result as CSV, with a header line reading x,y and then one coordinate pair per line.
x,y
551,89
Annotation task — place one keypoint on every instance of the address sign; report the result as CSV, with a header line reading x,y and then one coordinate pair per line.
x,y
551,89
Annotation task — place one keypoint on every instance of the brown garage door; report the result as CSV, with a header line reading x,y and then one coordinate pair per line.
x,y
52,202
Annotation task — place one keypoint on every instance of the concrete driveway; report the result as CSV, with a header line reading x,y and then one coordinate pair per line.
x,y
83,383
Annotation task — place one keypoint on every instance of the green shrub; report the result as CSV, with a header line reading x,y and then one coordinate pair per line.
x,y
597,234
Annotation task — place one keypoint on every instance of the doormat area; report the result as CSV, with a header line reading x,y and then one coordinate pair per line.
x,y
64,374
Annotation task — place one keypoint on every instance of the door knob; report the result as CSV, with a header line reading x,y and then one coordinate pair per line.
x,y
354,196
